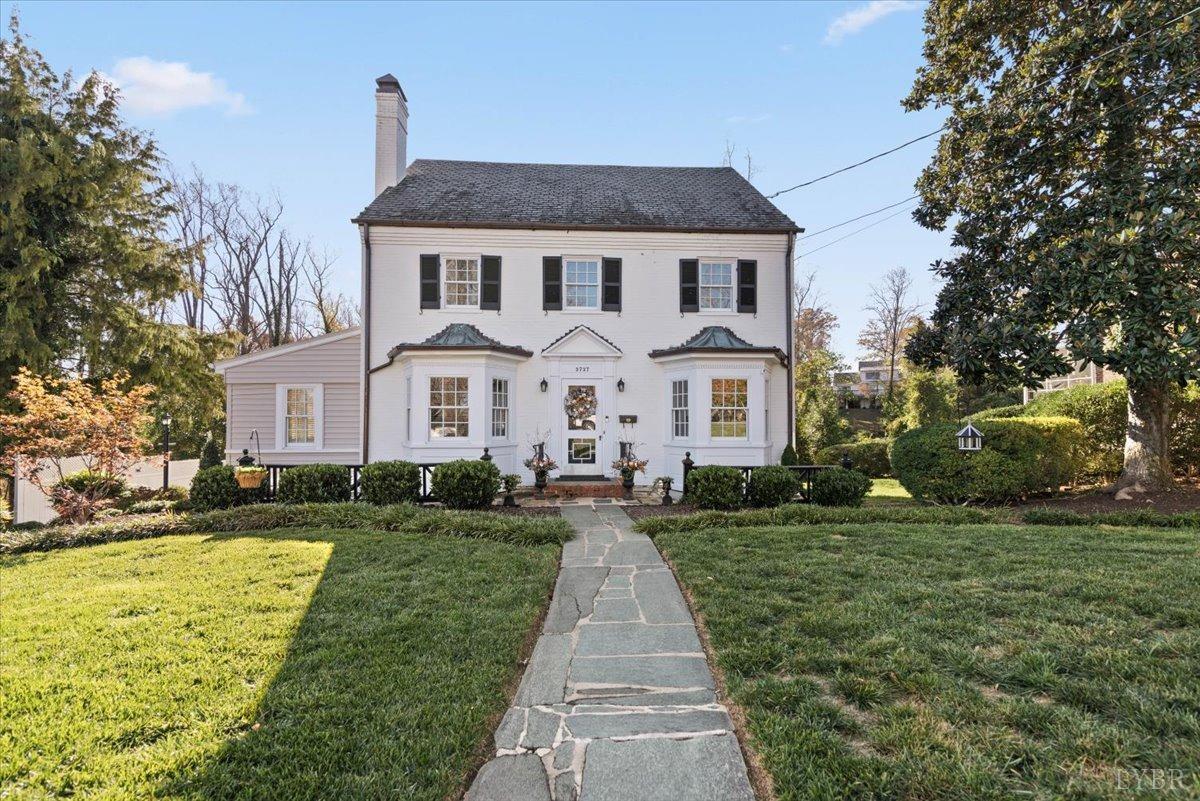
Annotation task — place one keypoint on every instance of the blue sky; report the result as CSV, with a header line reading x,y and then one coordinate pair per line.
x,y
279,97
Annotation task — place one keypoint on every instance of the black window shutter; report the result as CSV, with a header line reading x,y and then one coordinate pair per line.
x,y
747,282
689,285
489,283
430,281
611,289
552,283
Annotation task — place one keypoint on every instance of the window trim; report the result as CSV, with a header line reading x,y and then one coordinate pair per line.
x,y
732,285
712,407
318,397
599,285
429,407
676,419
506,408
445,281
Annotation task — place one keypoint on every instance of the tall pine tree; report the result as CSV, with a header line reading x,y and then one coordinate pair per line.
x,y
1070,170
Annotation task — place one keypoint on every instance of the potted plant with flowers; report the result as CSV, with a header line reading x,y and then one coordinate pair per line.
x,y
628,465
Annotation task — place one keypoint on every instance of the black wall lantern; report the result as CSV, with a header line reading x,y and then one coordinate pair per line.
x,y
545,385
620,385
970,438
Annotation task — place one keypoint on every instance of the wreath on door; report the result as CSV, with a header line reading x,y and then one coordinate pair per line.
x,y
580,403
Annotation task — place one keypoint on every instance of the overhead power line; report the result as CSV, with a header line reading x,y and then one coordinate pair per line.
x,y
1033,88
860,217
852,233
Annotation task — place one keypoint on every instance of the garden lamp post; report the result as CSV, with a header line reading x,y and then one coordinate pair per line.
x,y
166,445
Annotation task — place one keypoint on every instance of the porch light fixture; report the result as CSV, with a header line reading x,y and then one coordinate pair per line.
x,y
545,385
620,385
970,438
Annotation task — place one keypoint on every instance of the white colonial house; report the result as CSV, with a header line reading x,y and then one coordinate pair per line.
x,y
655,299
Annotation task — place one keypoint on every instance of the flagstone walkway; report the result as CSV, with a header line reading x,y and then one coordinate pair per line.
x,y
617,702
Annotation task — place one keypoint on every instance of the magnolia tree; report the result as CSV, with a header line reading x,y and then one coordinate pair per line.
x,y
61,419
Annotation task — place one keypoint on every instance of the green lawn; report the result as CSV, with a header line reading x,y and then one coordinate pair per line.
x,y
887,492
286,664
968,662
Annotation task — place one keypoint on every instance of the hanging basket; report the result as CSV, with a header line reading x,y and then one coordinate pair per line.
x,y
251,479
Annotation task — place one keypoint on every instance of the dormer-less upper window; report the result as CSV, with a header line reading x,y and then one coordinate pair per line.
x,y
581,282
716,285
462,281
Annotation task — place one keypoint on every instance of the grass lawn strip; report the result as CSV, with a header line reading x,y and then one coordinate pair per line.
x,y
293,663
889,661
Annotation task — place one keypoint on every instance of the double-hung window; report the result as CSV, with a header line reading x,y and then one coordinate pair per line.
x,y
300,418
500,408
462,281
581,283
680,421
716,285
449,412
730,408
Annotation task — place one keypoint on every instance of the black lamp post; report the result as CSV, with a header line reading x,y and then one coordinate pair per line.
x,y
166,424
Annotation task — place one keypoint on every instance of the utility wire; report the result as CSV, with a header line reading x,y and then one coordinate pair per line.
x,y
1053,140
1035,87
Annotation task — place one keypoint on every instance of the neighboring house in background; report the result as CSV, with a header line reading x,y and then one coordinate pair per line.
x,y
296,403
1085,373
866,387
655,297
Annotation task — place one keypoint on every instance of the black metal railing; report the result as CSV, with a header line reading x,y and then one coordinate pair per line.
x,y
804,471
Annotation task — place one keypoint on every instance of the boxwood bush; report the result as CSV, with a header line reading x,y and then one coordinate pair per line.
x,y
838,486
214,488
314,483
1102,410
1021,456
772,485
869,456
715,487
466,483
387,483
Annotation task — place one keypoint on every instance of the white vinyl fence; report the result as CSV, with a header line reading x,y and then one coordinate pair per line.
x,y
31,504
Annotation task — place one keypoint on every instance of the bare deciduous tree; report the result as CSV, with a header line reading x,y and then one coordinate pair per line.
x,y
814,323
731,153
894,315
333,310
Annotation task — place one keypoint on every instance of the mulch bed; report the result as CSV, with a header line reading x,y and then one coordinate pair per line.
x,y
1185,498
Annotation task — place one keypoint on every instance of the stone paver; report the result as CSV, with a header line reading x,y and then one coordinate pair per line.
x,y
617,702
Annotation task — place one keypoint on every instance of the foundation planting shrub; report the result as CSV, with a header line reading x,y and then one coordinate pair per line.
x,y
314,483
772,485
868,456
1021,457
214,488
838,486
715,487
466,483
387,483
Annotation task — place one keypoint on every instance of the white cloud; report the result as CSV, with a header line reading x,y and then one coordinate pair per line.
x,y
858,18
741,119
164,87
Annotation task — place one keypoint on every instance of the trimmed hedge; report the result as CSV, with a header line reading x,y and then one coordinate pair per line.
x,y
512,529
386,483
1021,457
466,483
715,487
838,486
772,485
314,483
214,488
869,456
1102,410
804,514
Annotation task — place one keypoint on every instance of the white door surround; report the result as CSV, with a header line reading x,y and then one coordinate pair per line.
x,y
585,359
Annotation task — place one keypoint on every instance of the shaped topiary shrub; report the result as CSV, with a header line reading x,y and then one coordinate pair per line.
x,y
770,486
868,456
789,455
838,486
466,483
715,487
314,483
1021,456
387,483
214,488
210,454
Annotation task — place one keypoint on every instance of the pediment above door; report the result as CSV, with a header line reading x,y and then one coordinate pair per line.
x,y
581,342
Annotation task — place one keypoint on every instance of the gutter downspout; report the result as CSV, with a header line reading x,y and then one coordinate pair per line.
x,y
366,329
791,384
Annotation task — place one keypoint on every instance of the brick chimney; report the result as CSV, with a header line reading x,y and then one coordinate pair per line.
x,y
391,132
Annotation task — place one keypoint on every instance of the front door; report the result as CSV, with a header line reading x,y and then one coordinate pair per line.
x,y
583,432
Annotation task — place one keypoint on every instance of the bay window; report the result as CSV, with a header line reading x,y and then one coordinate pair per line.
x,y
730,409
449,410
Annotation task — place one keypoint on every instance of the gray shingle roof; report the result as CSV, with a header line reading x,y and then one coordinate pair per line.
x,y
718,339
458,336
492,194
